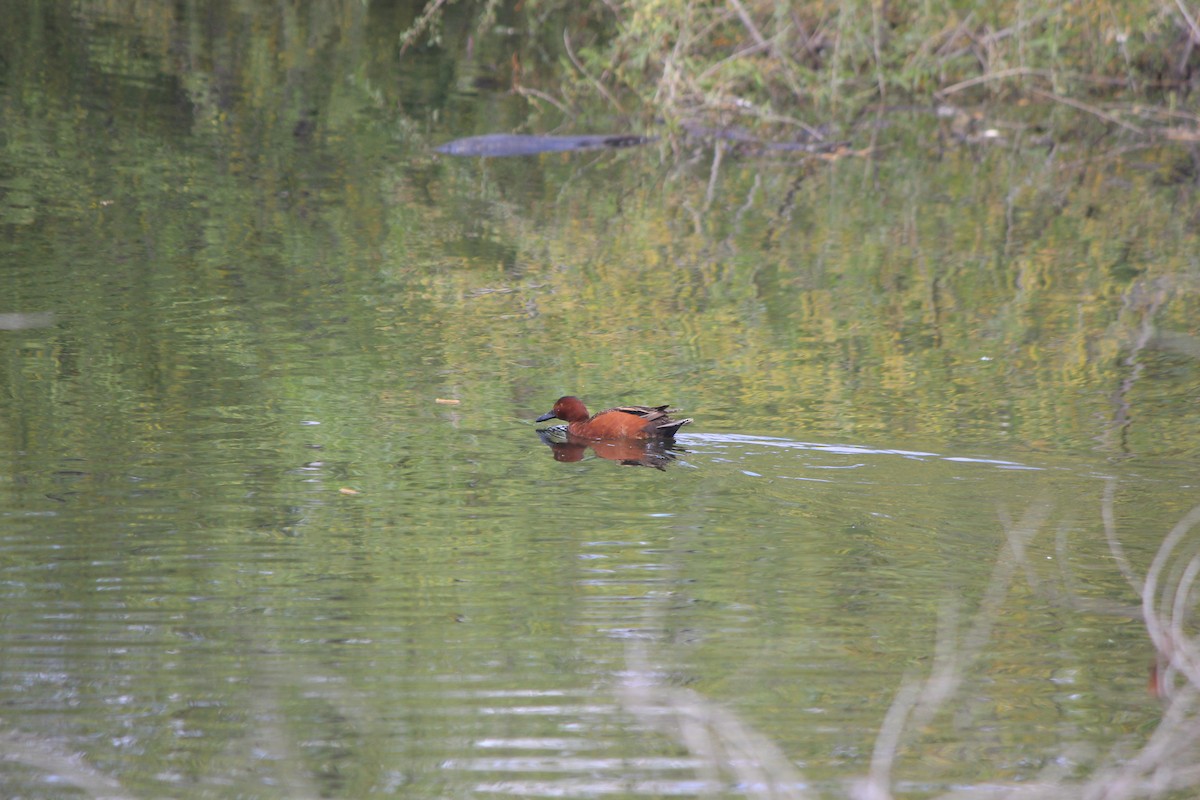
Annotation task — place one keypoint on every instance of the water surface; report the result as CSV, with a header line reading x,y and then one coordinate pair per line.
x,y
945,417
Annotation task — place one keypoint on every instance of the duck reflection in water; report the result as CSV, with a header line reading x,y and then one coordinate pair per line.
x,y
627,434
630,452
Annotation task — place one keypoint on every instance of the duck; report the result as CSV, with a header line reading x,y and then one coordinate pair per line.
x,y
622,422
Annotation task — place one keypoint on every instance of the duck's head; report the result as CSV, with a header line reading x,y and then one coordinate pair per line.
x,y
568,407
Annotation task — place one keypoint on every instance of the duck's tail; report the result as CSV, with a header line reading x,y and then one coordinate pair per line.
x,y
670,427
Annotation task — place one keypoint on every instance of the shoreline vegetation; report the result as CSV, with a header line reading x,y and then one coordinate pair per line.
x,y
750,71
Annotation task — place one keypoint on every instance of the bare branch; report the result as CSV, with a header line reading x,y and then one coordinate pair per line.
x,y
748,22
599,86
1089,109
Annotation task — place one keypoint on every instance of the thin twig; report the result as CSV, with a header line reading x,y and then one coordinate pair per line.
x,y
914,706
1090,109
1153,762
1193,29
584,72
744,16
1154,624
714,173
998,75
1179,611
877,50
877,785
959,30
1110,533
525,91
721,743
745,51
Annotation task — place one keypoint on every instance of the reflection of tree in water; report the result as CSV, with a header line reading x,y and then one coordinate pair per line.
x,y
730,752
725,751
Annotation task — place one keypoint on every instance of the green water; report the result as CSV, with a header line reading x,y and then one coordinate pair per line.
x,y
245,550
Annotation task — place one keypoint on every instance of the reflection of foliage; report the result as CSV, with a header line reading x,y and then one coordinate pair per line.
x,y
428,25
727,749
939,701
853,300
934,291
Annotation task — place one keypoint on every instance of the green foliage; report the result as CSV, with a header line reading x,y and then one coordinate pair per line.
x,y
428,26
772,63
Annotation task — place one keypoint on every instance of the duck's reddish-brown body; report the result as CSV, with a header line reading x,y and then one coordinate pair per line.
x,y
623,422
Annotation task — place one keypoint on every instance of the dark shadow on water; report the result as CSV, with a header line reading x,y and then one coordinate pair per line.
x,y
565,447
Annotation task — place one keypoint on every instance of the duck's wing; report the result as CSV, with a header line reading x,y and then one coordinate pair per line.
x,y
657,418
648,413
